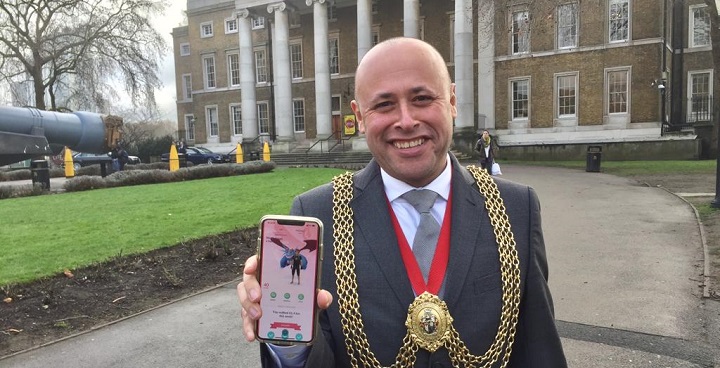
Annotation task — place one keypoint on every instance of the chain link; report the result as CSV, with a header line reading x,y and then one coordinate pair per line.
x,y
356,340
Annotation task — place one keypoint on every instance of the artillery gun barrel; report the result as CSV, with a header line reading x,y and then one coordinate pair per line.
x,y
26,132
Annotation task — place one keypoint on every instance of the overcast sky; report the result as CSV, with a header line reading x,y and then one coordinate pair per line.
x,y
174,16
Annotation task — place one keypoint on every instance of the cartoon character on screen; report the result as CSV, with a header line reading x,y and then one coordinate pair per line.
x,y
293,258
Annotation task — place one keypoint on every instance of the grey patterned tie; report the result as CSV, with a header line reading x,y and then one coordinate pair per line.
x,y
428,230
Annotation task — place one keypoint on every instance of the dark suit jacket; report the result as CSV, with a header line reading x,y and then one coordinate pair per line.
x,y
472,284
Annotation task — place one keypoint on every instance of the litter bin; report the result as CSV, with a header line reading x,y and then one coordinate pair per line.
x,y
254,155
182,160
40,173
594,156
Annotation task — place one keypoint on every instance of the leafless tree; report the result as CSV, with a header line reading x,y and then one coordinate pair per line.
x,y
82,49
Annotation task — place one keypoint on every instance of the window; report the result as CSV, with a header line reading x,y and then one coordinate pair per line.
x,y
331,11
211,117
263,118
451,57
231,25
700,98
209,66
375,35
206,29
189,127
566,92
699,26
258,23
520,33
520,90
296,59
619,20
299,115
567,26
236,119
294,18
260,67
335,104
334,51
187,87
234,69
617,91
422,28
184,49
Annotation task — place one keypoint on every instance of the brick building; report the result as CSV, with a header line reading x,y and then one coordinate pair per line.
x,y
536,72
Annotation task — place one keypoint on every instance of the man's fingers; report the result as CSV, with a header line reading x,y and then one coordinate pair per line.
x,y
324,299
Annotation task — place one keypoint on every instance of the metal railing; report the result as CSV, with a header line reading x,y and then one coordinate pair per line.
x,y
698,110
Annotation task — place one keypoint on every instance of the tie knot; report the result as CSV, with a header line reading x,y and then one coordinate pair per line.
x,y
422,199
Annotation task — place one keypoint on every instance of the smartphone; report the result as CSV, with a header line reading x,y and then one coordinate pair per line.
x,y
289,260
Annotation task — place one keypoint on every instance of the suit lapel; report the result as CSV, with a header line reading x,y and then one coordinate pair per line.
x,y
372,220
468,220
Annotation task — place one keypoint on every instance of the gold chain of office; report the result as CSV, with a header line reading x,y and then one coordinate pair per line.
x,y
426,307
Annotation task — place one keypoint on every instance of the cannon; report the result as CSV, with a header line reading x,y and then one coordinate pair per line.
x,y
27,132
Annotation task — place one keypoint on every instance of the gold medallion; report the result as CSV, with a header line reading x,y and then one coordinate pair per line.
x,y
429,321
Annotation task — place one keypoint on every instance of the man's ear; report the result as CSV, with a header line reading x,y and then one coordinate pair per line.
x,y
453,100
358,115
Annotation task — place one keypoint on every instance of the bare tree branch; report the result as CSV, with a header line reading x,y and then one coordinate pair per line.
x,y
81,49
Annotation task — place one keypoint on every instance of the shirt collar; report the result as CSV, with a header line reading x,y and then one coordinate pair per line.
x,y
394,188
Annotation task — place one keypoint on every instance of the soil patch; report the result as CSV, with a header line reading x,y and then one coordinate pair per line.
x,y
78,300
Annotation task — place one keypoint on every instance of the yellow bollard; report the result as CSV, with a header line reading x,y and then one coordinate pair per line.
x,y
174,160
266,152
238,154
69,164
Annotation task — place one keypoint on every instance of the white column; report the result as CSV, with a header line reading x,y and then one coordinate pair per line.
x,y
364,27
323,108
411,16
486,65
247,76
464,64
281,74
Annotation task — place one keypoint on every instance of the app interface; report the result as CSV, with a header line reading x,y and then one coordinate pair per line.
x,y
289,262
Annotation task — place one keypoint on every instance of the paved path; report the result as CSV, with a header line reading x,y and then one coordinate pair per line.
x,y
625,265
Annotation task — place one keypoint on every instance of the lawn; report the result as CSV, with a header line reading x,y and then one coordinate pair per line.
x,y
43,235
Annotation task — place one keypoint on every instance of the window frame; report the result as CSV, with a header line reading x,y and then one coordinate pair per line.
x,y
558,97
296,116
190,127
233,69
610,20
235,121
203,34
691,112
296,66
692,29
210,77
185,49
513,101
260,70
607,90
336,39
574,26
258,22
210,124
228,22
186,85
263,121
519,44
451,24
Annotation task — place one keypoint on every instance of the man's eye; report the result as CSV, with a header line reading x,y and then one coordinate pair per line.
x,y
423,99
384,104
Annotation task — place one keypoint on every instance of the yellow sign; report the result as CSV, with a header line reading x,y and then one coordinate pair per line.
x,y
349,124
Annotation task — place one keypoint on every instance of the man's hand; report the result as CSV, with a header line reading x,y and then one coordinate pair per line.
x,y
249,295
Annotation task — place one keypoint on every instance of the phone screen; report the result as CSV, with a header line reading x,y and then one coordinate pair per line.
x,y
288,278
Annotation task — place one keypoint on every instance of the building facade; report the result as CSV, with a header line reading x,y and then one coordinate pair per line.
x,y
532,72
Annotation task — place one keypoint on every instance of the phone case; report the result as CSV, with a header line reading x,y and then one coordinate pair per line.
x,y
289,264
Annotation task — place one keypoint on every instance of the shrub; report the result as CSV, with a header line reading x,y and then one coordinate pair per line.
x,y
87,182
21,174
13,191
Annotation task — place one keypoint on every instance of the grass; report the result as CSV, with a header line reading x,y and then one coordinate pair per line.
x,y
40,236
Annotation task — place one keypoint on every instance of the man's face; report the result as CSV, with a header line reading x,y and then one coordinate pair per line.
x,y
485,134
405,105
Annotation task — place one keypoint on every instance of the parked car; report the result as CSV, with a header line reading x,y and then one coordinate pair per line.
x,y
81,159
198,155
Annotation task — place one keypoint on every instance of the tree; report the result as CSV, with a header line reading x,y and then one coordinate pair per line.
x,y
81,49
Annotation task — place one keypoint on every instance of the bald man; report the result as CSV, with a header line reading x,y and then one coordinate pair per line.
x,y
387,311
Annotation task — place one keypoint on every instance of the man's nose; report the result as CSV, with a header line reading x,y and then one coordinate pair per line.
x,y
406,118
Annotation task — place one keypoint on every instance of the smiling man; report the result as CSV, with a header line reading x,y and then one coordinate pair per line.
x,y
459,280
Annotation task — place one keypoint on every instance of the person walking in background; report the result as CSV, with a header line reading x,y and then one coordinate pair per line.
x,y
120,157
467,306
487,148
